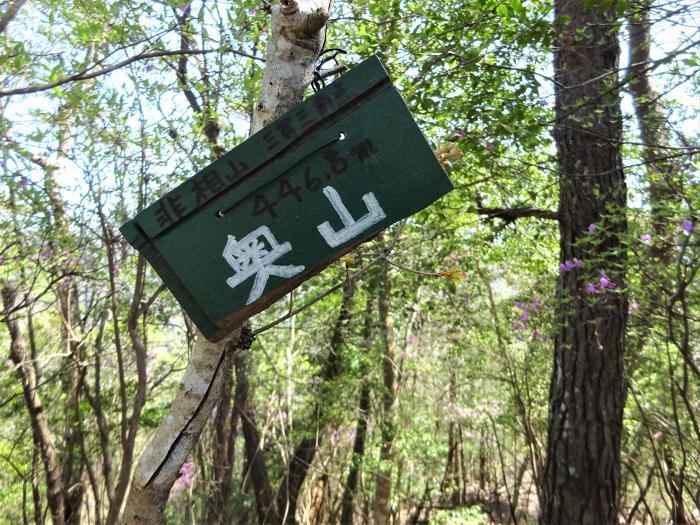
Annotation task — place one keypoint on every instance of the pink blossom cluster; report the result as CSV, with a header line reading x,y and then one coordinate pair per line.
x,y
523,312
604,283
569,265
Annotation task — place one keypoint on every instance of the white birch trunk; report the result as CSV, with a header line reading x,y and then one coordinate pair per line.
x,y
298,34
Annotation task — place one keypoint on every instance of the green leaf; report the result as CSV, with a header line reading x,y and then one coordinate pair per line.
x,y
502,11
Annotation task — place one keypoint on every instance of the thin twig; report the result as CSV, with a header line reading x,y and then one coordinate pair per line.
x,y
350,278
84,75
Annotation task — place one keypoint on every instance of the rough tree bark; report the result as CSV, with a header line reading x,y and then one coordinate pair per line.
x,y
581,479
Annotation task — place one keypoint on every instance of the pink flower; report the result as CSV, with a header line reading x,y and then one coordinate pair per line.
x,y
592,228
645,238
570,265
402,354
590,288
575,263
605,281
187,473
521,305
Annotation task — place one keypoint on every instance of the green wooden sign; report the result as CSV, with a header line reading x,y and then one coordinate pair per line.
x,y
277,209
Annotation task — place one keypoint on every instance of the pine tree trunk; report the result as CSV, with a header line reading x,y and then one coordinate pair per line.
x,y
581,481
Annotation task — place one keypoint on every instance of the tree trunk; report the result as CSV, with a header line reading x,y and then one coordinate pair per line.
x,y
358,453
297,37
663,172
160,463
358,447
217,506
317,498
40,429
255,470
382,493
451,485
582,471
581,480
298,33
305,451
665,191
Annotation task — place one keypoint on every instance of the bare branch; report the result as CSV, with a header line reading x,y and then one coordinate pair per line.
x,y
86,75
349,279
512,214
35,159
10,14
